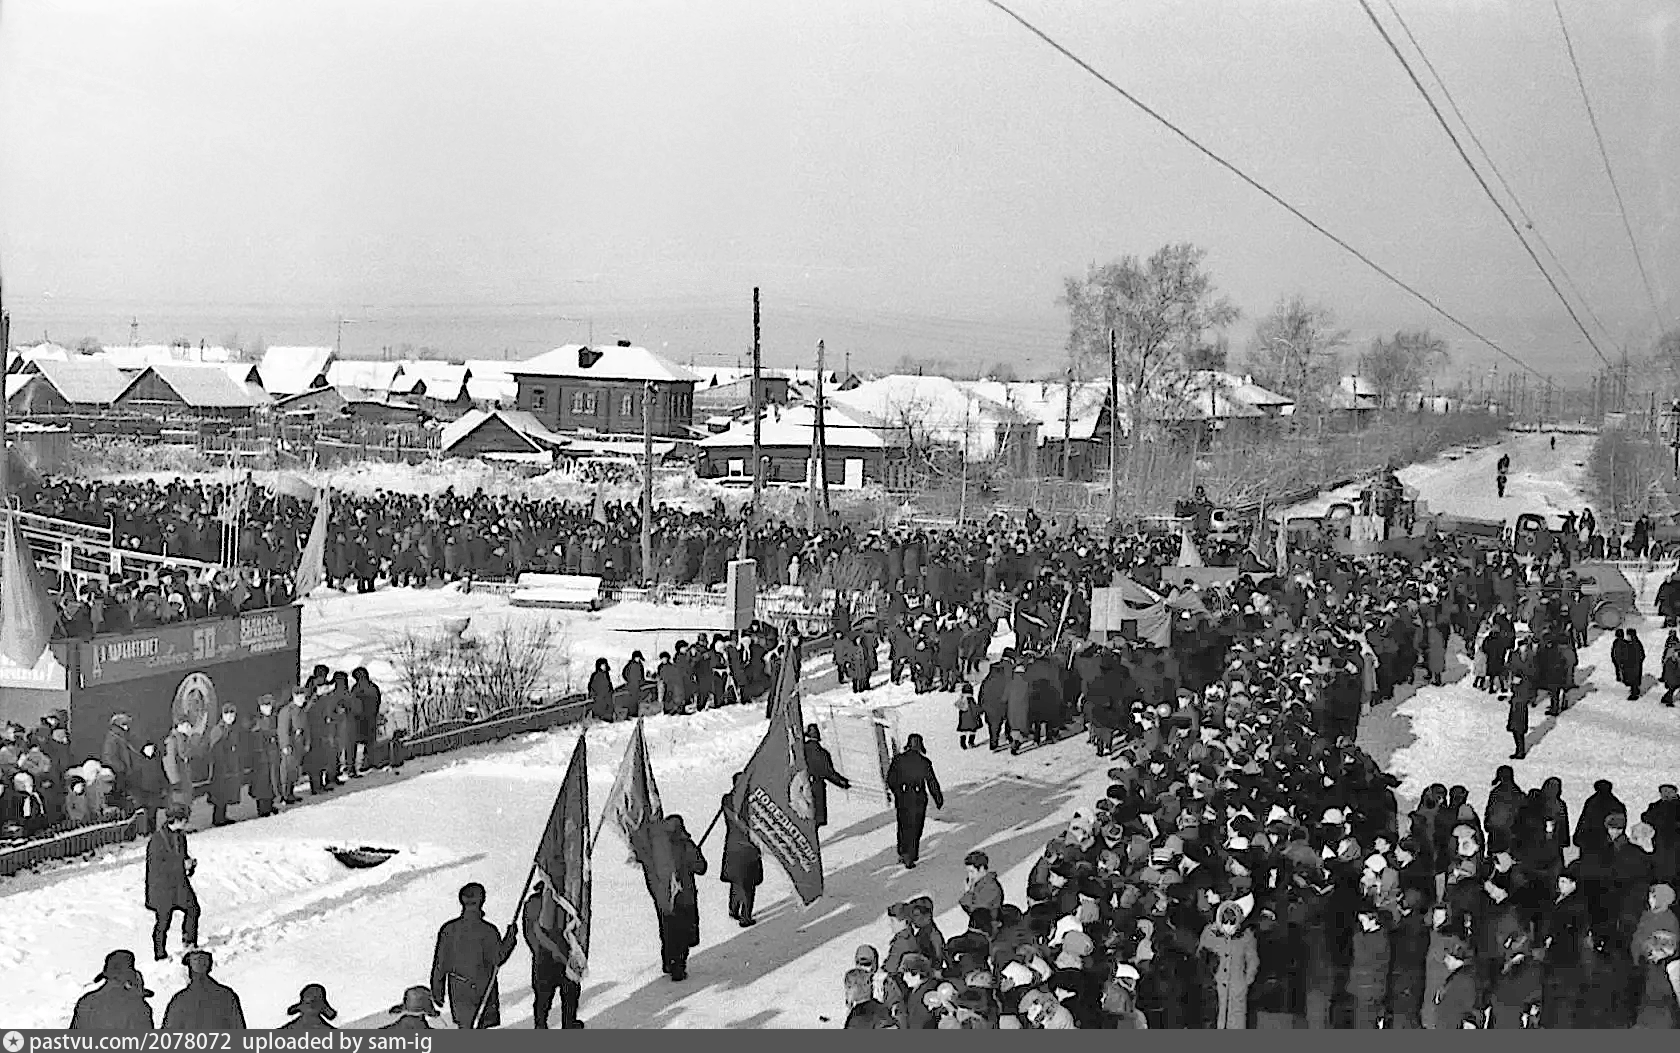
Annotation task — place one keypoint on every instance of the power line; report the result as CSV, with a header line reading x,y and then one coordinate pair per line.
x,y
1627,225
1252,182
1528,219
1491,196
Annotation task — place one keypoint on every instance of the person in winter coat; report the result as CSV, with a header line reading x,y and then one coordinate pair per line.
x,y
291,732
634,675
119,1003
1409,944
1236,961
1516,722
742,867
968,717
1659,982
225,747
366,700
1635,666
982,890
319,762
1516,990
177,765
994,700
1590,834
311,1012
911,781
1367,977
679,932
151,785
1658,917
469,951
412,1011
819,767
1455,1000
550,974
601,703
263,742
205,1004
1670,668
118,753
169,870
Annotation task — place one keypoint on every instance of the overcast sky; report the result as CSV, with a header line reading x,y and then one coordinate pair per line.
x,y
900,176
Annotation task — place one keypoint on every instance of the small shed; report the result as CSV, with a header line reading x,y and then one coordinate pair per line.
x,y
79,385
290,370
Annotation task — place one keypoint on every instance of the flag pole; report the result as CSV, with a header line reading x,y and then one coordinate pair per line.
x,y
518,908
710,827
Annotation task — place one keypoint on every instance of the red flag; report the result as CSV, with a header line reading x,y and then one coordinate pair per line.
x,y
27,612
774,795
634,810
563,860
312,562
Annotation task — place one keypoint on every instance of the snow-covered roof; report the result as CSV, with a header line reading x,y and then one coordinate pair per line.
x,y
490,368
201,386
15,382
492,388
367,374
443,380
139,356
615,363
85,380
289,370
940,400
1047,403
523,424
794,426
42,353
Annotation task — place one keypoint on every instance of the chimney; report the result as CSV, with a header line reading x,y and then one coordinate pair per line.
x,y
587,357
624,343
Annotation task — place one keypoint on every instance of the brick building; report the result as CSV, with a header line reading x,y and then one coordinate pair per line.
x,y
601,388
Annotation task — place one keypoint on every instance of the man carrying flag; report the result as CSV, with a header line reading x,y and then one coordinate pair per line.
x,y
555,917
669,858
774,797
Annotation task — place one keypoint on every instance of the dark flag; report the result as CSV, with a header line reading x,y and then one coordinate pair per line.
x,y
27,613
634,810
563,861
774,795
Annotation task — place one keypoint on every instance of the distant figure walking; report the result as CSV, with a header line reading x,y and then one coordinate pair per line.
x,y
169,870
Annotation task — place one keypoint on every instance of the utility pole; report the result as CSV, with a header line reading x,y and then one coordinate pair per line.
x,y
962,494
1113,433
647,483
1546,412
134,333
5,371
822,438
1067,430
758,418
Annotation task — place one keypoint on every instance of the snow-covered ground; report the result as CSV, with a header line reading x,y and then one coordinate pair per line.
x,y
280,912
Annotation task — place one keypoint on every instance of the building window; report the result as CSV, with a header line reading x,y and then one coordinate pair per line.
x,y
539,398
585,403
626,405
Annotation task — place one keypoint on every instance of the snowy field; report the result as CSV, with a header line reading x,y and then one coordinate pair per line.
x,y
280,912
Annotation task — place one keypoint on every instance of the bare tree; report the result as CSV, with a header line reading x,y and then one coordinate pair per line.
x,y
1163,310
1295,350
1399,365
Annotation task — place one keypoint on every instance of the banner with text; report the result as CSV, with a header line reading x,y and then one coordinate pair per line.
x,y
190,645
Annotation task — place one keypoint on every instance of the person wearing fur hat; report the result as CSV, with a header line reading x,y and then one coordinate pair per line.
x,y
311,1012
1236,962
819,765
412,1011
468,953
119,1003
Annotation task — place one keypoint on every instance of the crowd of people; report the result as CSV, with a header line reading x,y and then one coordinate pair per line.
x,y
1249,864
322,735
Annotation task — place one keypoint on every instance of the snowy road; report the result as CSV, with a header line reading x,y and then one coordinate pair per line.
x,y
280,912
